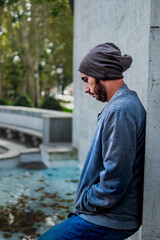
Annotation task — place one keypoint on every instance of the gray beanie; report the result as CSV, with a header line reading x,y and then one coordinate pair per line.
x,y
105,62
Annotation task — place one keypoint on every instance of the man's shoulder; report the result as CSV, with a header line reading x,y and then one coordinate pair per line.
x,y
129,103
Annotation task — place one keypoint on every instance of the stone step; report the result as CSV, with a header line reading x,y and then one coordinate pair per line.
x,y
58,151
9,159
36,158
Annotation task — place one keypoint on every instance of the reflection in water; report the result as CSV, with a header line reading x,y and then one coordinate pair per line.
x,y
32,201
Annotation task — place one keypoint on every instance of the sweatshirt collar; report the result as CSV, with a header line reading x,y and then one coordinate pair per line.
x,y
119,92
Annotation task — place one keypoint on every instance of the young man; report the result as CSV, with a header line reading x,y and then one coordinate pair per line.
x,y
109,196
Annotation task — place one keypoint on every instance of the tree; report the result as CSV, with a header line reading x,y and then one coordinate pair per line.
x,y
40,32
13,75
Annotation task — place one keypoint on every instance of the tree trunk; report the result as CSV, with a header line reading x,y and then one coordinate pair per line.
x,y
36,81
0,83
30,83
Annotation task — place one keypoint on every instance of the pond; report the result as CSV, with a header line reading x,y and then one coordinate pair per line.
x,y
32,201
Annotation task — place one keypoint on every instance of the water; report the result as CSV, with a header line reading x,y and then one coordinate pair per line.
x,y
32,201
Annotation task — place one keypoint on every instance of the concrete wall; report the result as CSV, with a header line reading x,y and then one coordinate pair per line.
x,y
127,24
151,212
124,22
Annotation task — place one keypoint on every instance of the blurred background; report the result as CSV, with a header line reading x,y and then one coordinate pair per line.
x,y
36,53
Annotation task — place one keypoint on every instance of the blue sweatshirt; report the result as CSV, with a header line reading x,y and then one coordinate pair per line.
x,y
110,189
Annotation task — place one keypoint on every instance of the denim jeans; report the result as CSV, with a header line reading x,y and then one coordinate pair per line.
x,y
77,228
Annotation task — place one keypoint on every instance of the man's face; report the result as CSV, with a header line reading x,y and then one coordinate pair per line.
x,y
94,87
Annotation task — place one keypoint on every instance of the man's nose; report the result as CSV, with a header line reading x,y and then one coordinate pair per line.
x,y
86,88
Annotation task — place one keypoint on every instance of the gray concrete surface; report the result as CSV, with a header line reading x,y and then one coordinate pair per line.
x,y
10,158
57,129
126,23
135,27
58,151
17,154
50,126
151,212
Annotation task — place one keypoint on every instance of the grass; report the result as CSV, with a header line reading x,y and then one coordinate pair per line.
x,y
64,109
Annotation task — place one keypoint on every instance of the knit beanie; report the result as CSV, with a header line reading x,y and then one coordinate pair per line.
x,y
105,62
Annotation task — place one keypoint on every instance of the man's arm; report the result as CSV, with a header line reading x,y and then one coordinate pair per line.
x,y
118,152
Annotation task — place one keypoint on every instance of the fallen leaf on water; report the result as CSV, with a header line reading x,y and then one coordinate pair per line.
x,y
69,200
54,205
41,180
33,198
74,181
4,190
43,205
62,200
14,219
39,189
60,217
7,235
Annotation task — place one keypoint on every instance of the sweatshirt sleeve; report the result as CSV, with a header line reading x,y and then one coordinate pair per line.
x,y
118,153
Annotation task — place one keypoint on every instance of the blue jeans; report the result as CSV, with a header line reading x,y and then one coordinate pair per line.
x,y
77,228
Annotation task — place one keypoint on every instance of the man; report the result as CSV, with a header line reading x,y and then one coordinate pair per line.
x,y
109,196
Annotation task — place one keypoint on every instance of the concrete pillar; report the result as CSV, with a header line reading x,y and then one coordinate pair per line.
x,y
151,210
57,129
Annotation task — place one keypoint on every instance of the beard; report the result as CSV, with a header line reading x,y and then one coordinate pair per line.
x,y
100,91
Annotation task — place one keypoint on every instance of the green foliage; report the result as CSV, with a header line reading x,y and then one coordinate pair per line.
x,y
13,75
2,2
58,7
24,101
67,79
39,34
51,103
3,101
10,2
64,109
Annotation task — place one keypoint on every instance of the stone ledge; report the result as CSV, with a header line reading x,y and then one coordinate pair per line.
x,y
33,111
9,155
45,125
21,129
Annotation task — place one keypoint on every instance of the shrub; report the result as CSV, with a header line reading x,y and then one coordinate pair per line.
x,y
3,101
51,103
24,101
